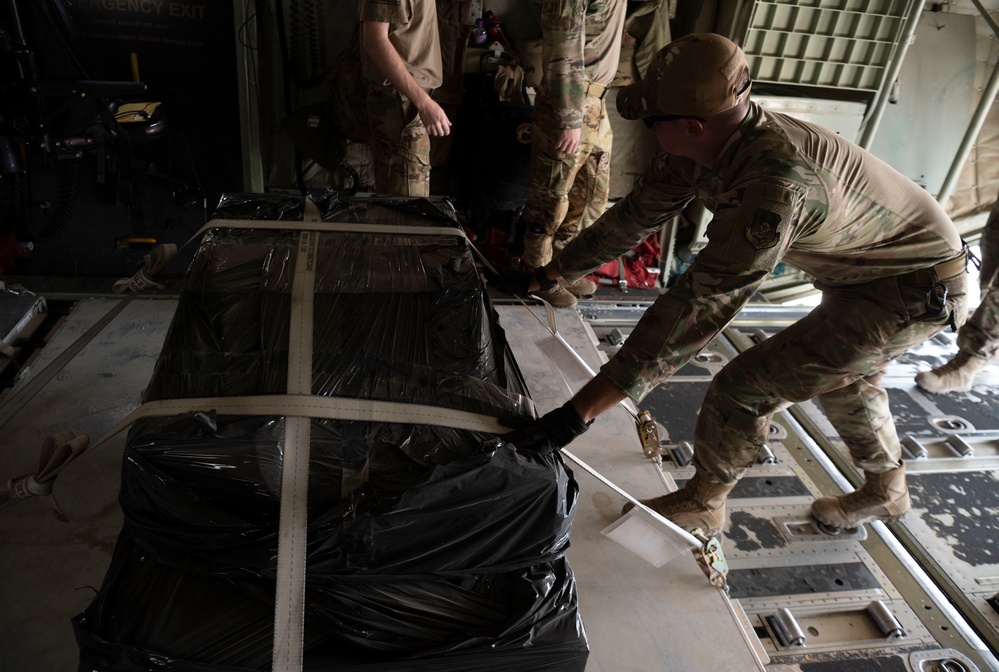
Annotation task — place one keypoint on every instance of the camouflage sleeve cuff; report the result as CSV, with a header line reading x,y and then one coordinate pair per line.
x,y
625,383
383,13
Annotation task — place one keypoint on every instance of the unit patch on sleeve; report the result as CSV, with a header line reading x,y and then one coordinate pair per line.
x,y
756,233
762,231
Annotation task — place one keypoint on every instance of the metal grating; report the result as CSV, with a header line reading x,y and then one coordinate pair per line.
x,y
841,44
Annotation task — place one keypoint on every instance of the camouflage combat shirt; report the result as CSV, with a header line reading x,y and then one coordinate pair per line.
x,y
582,43
782,189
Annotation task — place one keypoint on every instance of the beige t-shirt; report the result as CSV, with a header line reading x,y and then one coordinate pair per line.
x,y
413,32
602,51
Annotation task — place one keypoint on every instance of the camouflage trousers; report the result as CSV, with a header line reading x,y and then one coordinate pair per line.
x,y
837,354
567,192
400,144
980,334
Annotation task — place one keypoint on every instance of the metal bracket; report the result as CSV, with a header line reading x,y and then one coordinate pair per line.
x,y
648,432
803,528
941,660
712,560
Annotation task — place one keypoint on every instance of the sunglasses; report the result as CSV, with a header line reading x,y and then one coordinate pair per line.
x,y
651,121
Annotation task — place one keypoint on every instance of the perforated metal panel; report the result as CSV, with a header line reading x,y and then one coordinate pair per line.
x,y
842,44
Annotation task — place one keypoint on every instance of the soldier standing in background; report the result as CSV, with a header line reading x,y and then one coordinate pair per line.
x,y
571,136
889,262
401,59
978,338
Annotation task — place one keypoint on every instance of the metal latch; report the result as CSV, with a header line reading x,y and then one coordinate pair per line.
x,y
648,432
711,559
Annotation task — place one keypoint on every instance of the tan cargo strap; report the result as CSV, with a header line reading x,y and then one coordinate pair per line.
x,y
56,452
293,518
594,90
328,408
344,227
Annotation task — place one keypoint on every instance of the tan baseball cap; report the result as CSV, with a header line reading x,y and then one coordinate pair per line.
x,y
696,75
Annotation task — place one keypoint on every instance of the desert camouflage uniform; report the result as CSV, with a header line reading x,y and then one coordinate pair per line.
x,y
782,189
582,47
400,143
980,334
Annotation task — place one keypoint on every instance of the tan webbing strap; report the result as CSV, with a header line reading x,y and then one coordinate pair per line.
x,y
330,408
289,596
333,227
21,396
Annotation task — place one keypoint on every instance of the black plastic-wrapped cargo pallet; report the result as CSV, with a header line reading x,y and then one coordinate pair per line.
x,y
427,547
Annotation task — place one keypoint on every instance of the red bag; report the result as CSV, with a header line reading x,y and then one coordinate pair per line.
x,y
633,267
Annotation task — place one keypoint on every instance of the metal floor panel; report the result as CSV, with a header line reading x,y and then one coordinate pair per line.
x,y
951,445
638,618
51,569
831,586
631,610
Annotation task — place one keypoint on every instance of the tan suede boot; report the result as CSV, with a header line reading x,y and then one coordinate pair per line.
x,y
698,504
883,496
957,375
558,296
582,287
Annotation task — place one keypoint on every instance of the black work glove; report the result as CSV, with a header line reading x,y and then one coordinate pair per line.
x,y
552,431
511,281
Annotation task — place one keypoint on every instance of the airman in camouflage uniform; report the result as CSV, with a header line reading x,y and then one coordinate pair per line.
x,y
401,59
888,260
571,138
978,339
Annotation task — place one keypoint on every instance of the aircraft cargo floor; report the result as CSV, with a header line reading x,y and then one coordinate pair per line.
x,y
916,595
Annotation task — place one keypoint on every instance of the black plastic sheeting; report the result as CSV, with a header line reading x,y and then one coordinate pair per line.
x,y
428,548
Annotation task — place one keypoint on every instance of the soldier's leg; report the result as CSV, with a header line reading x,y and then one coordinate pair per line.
x,y
861,416
977,345
860,411
600,165
591,186
732,426
838,351
552,174
978,338
980,334
401,146
989,249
